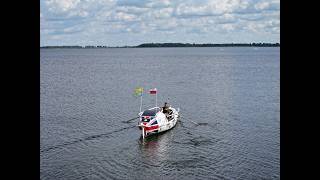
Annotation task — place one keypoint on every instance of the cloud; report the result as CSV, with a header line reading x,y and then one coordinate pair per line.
x,y
135,3
121,17
158,14
75,8
209,8
144,3
267,5
159,4
105,21
132,10
61,6
225,19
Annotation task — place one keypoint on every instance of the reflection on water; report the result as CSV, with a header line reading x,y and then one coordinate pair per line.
x,y
154,149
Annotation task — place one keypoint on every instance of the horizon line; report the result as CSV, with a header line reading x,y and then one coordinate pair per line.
x,y
165,45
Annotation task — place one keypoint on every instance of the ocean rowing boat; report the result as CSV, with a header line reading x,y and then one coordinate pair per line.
x,y
157,119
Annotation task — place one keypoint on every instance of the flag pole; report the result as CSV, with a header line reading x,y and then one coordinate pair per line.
x,y
156,100
140,102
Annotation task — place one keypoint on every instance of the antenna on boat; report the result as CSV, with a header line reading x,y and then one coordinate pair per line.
x,y
156,100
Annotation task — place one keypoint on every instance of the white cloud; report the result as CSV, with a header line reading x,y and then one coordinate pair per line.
x,y
159,4
132,10
262,5
225,19
61,5
211,8
228,27
159,13
136,3
267,5
75,8
121,17
99,20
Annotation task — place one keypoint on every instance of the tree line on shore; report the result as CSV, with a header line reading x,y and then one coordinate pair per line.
x,y
208,45
155,45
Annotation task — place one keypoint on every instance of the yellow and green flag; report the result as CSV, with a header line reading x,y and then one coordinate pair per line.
x,y
138,91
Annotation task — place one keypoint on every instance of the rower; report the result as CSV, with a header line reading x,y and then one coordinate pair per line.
x,y
165,107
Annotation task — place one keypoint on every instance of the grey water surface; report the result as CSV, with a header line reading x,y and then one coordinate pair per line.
x,y
87,106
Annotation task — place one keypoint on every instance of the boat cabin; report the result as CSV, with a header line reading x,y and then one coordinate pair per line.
x,y
149,114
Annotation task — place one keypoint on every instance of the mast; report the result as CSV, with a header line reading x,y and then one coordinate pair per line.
x,y
156,100
154,92
140,102
138,92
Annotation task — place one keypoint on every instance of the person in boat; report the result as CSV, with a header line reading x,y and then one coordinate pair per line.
x,y
165,108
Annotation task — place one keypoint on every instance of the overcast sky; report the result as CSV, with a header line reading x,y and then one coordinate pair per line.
x,y
132,22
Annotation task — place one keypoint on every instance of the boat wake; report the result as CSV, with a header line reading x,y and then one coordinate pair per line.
x,y
104,135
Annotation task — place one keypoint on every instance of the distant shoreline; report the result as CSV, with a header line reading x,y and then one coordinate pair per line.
x,y
163,45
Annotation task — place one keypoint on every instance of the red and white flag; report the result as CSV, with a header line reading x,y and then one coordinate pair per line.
x,y
153,91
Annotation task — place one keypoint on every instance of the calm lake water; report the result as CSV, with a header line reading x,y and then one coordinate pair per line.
x,y
87,100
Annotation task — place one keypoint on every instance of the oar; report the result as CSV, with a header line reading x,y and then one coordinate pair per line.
x,y
191,121
130,120
202,123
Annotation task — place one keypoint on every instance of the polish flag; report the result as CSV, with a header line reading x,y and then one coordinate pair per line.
x,y
153,91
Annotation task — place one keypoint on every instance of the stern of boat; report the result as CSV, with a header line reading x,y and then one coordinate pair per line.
x,y
147,129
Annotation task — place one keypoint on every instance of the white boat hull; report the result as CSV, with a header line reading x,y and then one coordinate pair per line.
x,y
159,123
